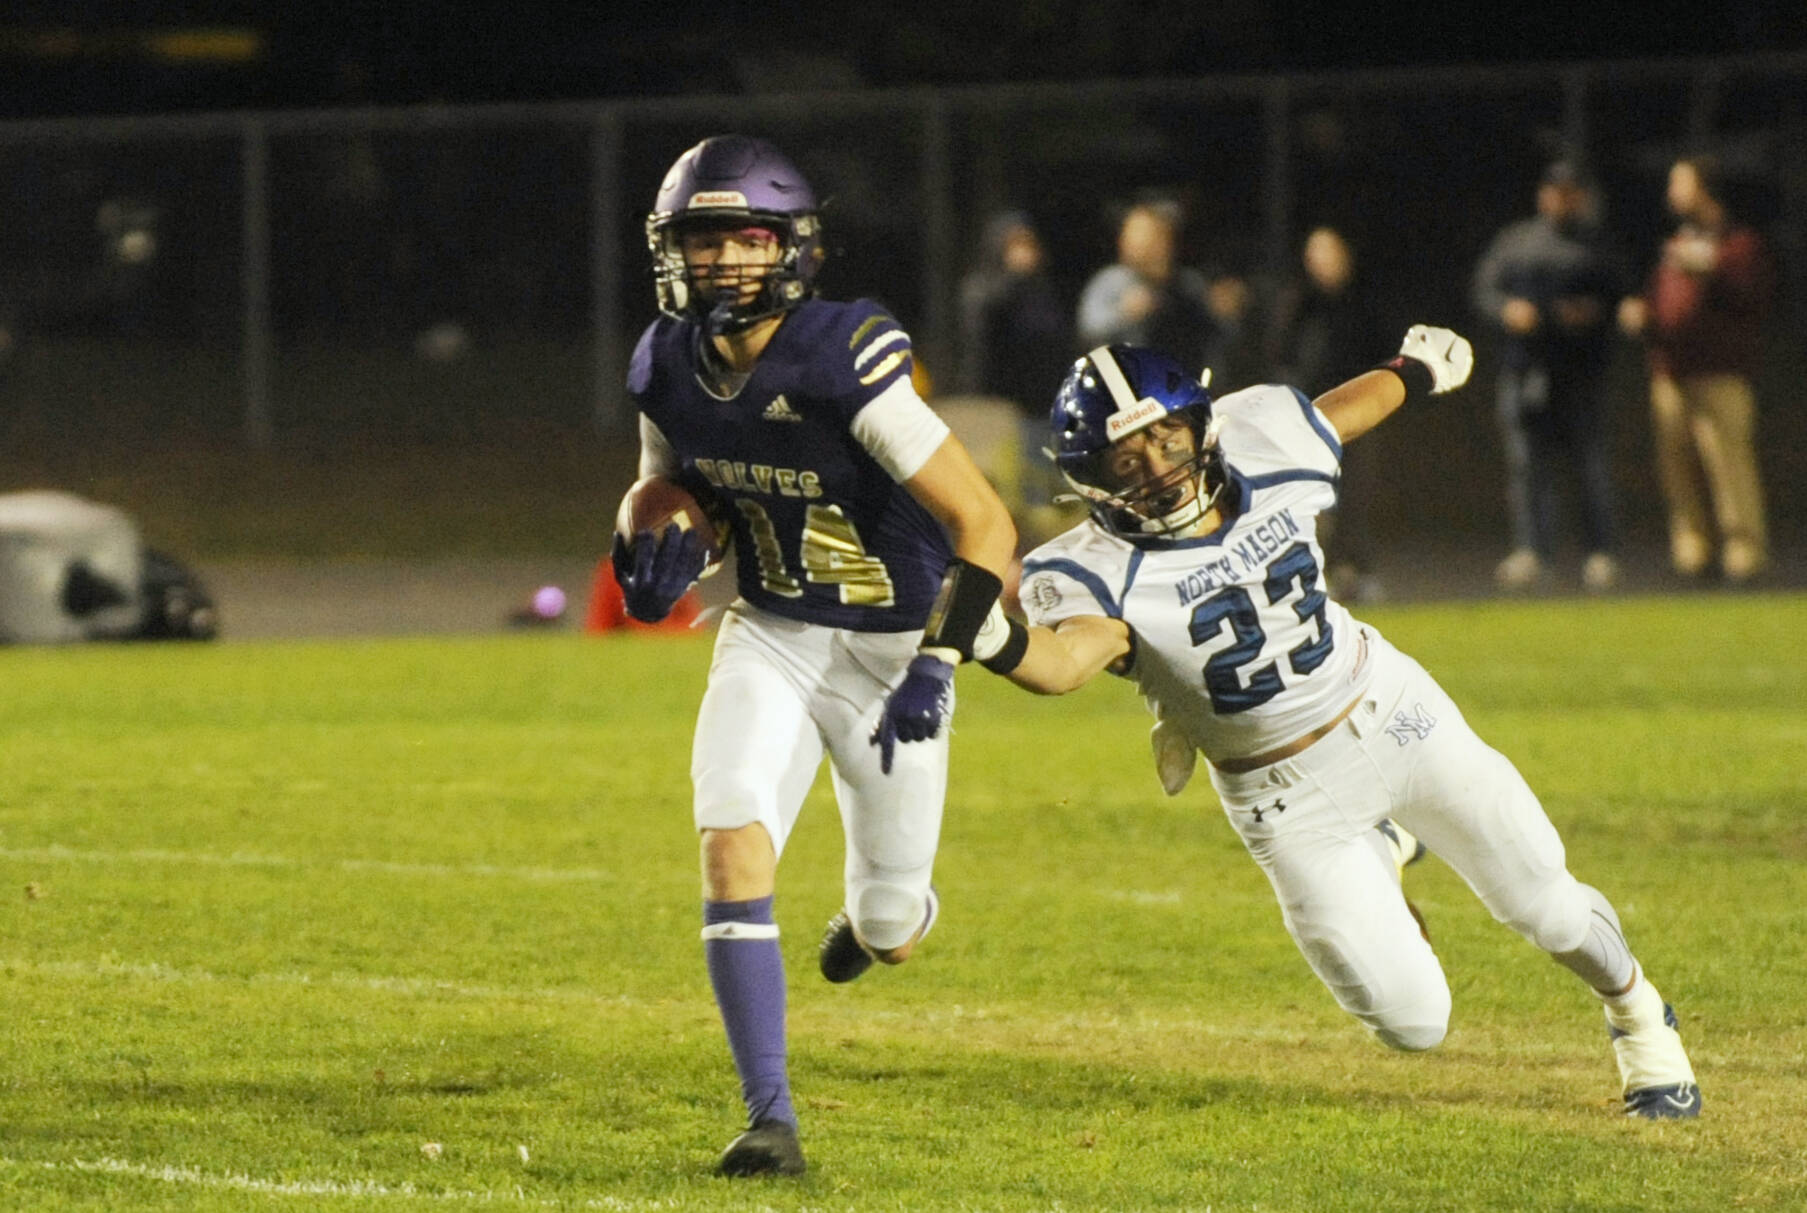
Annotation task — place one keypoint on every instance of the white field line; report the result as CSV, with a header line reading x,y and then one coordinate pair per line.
x,y
62,854
343,1189
1064,1025
418,986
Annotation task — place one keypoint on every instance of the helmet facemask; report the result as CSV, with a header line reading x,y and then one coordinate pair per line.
x,y
717,299
1171,504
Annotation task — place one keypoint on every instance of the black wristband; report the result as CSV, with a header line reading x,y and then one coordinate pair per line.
x,y
1413,373
964,600
1006,659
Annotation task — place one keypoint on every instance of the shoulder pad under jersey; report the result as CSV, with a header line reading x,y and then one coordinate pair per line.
x,y
1274,431
858,349
640,366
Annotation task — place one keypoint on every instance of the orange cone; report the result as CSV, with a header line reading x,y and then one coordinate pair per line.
x,y
608,608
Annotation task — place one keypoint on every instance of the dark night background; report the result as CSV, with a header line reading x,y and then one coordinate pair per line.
x,y
107,56
431,359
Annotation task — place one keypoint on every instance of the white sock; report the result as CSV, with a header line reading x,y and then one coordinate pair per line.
x,y
1639,1007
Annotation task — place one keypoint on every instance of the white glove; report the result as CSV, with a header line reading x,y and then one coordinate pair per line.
x,y
1174,756
1446,352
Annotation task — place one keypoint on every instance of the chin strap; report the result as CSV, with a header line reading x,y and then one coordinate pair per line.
x,y
720,321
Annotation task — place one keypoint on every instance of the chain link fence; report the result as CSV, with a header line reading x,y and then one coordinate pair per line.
x,y
447,279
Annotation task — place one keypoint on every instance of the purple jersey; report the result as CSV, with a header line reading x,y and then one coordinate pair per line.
x,y
822,532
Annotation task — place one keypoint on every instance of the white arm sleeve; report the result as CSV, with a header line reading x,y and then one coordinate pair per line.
x,y
656,456
897,428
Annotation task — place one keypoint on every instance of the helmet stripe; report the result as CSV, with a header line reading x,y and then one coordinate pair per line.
x,y
1132,413
1113,377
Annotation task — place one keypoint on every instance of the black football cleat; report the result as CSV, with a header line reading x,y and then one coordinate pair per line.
x,y
768,1147
841,954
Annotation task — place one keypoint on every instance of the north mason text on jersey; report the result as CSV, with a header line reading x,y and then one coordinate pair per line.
x,y
1237,641
1241,657
1251,551
823,532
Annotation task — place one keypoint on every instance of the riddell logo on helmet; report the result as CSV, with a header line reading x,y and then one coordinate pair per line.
x,y
718,198
1131,419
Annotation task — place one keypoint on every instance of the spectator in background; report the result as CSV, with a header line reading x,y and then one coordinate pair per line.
x,y
1322,330
1016,343
1702,316
1147,298
1549,284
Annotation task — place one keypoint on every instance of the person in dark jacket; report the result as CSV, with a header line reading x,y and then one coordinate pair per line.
x,y
1549,284
1324,329
1017,342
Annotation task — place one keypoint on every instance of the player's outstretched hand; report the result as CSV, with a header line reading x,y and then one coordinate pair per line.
x,y
915,709
1446,352
656,570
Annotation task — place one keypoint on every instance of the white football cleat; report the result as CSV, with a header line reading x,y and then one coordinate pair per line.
x,y
1402,844
1653,1067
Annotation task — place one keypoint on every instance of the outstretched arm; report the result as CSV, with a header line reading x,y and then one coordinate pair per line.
x,y
1355,406
1430,362
1070,654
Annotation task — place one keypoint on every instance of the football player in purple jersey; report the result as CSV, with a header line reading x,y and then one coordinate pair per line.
x,y
869,553
1199,576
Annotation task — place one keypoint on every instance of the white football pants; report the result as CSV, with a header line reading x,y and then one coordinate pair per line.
x,y
1405,752
781,694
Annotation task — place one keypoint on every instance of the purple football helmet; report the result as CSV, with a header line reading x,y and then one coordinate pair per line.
x,y
1119,390
731,182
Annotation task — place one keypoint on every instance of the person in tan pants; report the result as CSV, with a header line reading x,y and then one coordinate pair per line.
x,y
1702,317
1704,427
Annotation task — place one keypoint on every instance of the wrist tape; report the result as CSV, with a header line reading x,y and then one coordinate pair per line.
x,y
1009,652
967,596
1417,377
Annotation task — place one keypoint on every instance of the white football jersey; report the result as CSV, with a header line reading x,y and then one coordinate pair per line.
x,y
1237,643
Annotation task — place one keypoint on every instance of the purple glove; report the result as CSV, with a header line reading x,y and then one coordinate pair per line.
x,y
915,709
657,570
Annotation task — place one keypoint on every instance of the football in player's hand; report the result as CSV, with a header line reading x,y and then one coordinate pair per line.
x,y
656,501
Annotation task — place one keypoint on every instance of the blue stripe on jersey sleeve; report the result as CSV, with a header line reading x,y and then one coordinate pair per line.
x,y
1270,480
1129,575
1084,576
1313,419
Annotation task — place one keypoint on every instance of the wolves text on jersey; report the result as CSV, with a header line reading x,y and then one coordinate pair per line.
x,y
761,478
1251,552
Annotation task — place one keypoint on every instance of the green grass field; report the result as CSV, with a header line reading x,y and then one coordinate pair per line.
x,y
280,915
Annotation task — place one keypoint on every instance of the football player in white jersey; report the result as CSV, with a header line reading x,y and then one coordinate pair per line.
x,y
1198,574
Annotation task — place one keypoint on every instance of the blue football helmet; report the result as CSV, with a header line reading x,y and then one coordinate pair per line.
x,y
731,182
1119,390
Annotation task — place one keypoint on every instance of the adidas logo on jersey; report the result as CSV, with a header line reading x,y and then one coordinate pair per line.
x,y
780,410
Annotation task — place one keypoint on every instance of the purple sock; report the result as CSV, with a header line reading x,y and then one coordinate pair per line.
x,y
740,944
